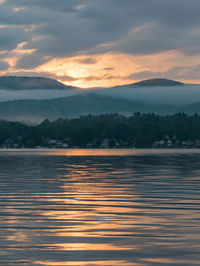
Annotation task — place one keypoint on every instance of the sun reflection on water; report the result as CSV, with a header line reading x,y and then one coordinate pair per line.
x,y
119,211
88,263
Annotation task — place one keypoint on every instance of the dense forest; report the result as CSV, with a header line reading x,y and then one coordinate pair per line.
x,y
106,131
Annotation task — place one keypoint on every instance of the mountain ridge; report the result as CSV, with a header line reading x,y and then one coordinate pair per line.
x,y
120,99
36,83
158,82
21,83
74,106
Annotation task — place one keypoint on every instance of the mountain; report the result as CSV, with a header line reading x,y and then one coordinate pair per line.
x,y
31,83
161,96
74,106
158,82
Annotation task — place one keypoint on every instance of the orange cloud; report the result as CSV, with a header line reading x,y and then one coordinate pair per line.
x,y
111,69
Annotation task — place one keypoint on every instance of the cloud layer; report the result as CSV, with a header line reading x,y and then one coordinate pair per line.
x,y
52,29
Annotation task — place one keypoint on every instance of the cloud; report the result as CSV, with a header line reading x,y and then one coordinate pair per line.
x,y
64,29
3,65
11,37
88,60
136,27
31,61
109,68
62,6
177,72
104,77
63,78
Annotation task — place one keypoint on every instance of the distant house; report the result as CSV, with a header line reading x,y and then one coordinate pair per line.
x,y
8,143
187,143
52,143
197,143
105,143
59,144
156,144
169,143
89,144
65,145
162,142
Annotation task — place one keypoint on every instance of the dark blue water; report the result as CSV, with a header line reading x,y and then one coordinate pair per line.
x,y
115,208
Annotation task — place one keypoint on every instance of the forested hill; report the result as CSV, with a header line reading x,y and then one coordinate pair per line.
x,y
30,83
109,130
35,99
158,82
74,106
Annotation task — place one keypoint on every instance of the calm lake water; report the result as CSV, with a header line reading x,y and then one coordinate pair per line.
x,y
100,207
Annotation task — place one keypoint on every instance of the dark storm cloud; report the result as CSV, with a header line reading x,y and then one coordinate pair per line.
x,y
98,26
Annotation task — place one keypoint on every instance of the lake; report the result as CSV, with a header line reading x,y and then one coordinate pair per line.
x,y
100,207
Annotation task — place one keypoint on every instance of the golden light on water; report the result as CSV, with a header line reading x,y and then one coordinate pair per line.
x,y
88,263
86,247
87,211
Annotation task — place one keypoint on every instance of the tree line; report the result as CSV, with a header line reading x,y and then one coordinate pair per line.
x,y
139,130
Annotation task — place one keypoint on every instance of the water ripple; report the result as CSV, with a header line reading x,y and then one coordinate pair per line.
x,y
100,210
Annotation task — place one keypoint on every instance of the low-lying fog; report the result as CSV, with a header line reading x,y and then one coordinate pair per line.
x,y
178,95
10,95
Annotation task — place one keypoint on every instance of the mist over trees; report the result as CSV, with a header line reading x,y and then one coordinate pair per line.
x,y
33,99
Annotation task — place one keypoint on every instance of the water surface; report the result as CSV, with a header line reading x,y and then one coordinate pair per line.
x,y
100,207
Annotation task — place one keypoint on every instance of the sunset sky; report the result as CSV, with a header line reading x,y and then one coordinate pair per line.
x,y
93,43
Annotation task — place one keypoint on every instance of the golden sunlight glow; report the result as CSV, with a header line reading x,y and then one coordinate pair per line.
x,y
107,70
16,55
11,61
104,70
20,49
112,69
